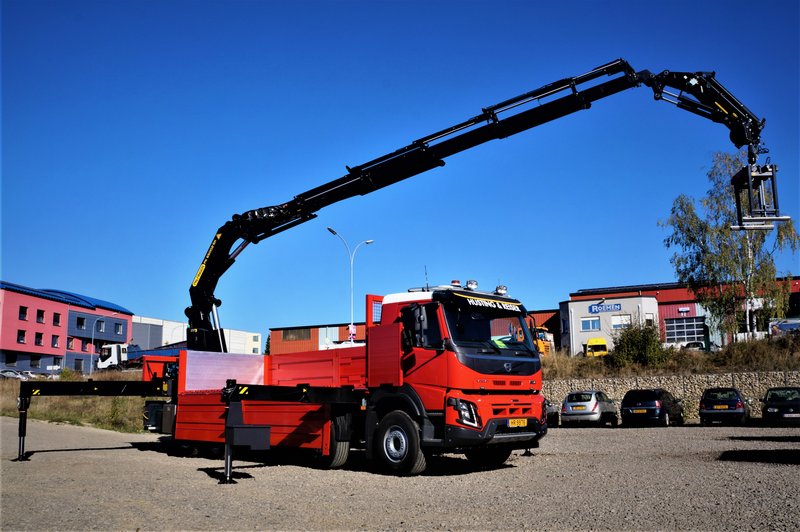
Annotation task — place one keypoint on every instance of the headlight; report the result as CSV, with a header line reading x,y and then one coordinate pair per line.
x,y
467,412
772,410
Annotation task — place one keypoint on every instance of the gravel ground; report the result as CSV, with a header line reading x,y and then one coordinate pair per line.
x,y
701,478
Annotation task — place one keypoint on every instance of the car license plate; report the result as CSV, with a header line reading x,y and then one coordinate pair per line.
x,y
639,410
579,407
791,415
720,407
518,422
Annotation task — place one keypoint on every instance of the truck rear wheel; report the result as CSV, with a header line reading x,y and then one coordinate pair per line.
x,y
339,450
397,444
488,457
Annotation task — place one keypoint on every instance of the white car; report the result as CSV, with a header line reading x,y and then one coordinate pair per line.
x,y
12,374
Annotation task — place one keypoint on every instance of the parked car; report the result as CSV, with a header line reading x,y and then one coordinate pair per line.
x,y
12,374
694,346
781,405
726,405
552,413
589,406
31,375
654,405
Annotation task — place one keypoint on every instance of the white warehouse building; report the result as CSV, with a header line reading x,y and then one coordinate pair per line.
x,y
151,333
584,319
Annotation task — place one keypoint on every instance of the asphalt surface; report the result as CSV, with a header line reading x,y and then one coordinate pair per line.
x,y
677,478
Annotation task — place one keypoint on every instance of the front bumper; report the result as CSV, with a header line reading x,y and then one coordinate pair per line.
x,y
496,432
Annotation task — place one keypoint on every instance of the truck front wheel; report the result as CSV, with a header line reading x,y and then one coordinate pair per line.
x,y
488,457
398,446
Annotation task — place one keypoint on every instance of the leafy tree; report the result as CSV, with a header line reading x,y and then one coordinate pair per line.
x,y
267,345
729,271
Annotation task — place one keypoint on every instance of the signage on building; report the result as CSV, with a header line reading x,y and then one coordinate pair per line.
x,y
608,307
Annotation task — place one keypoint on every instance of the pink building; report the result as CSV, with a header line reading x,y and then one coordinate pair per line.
x,y
44,331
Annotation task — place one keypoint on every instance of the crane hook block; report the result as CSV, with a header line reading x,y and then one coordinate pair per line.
x,y
756,192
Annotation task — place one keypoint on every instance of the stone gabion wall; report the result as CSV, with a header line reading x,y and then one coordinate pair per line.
x,y
687,387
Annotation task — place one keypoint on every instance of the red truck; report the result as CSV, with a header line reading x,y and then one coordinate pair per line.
x,y
446,369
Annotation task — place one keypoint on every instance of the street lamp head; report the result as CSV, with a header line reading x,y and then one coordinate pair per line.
x,y
330,229
368,241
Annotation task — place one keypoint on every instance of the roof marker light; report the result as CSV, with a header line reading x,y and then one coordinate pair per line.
x,y
501,290
472,284
455,283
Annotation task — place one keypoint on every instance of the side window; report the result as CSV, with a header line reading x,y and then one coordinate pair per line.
x,y
421,326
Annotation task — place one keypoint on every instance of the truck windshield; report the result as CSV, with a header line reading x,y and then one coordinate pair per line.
x,y
492,339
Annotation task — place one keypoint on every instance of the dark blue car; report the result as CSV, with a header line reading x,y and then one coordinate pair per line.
x,y
653,406
781,405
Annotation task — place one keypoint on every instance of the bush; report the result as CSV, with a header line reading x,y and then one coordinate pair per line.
x,y
637,345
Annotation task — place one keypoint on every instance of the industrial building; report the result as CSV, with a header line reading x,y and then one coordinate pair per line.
x,y
45,330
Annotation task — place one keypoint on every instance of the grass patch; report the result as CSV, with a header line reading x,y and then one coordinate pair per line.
x,y
777,354
123,414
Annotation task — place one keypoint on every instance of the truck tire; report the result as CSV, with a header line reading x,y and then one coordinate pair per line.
x,y
339,450
489,457
398,445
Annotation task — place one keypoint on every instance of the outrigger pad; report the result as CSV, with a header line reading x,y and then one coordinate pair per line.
x,y
756,193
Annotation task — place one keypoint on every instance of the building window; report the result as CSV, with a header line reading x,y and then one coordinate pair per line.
x,y
38,339
685,329
649,319
81,323
39,316
57,362
623,321
23,313
78,366
590,324
100,326
56,319
70,343
54,341
84,346
21,336
11,359
255,350
36,361
118,329
255,338
296,335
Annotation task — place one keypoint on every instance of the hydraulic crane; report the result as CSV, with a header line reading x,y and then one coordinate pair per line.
x,y
696,92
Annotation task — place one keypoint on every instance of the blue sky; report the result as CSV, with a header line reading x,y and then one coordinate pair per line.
x,y
132,130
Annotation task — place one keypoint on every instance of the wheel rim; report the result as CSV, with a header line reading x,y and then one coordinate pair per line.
x,y
395,444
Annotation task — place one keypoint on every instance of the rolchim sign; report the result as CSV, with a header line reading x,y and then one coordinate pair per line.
x,y
608,307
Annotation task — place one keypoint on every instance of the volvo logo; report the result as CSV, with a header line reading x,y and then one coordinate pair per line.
x,y
507,367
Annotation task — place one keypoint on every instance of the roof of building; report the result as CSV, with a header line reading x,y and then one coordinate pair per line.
x,y
69,298
630,288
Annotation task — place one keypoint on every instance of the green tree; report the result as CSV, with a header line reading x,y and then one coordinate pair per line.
x,y
730,272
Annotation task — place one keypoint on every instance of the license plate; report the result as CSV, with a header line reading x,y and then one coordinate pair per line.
x,y
579,407
639,410
791,415
517,422
720,407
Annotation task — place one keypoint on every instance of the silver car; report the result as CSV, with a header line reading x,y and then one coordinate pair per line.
x,y
589,406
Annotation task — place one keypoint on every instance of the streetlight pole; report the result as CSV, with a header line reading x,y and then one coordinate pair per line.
x,y
351,256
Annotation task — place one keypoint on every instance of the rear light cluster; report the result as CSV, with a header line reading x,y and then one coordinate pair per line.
x,y
658,404
467,412
739,404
